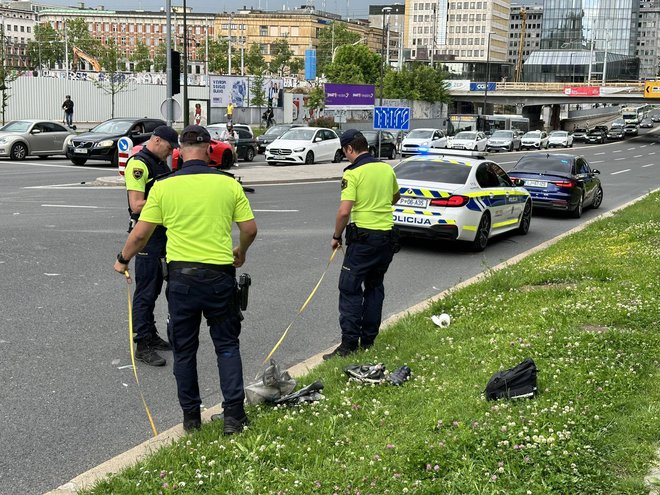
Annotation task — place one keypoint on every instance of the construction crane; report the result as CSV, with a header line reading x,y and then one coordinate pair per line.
x,y
521,43
79,54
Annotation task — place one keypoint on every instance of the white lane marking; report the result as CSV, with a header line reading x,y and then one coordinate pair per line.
x,y
637,156
69,206
643,146
617,159
65,187
652,153
52,274
597,161
617,151
506,163
633,148
648,165
77,167
598,154
329,181
620,171
276,211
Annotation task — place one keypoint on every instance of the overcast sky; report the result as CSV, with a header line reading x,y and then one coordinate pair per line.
x,y
345,8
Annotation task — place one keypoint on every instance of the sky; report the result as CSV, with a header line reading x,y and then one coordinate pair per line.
x,y
345,8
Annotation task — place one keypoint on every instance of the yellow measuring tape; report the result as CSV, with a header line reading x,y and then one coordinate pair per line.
x,y
302,308
130,335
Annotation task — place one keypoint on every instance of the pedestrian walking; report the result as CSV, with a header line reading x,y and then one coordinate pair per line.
x,y
230,136
230,113
67,106
141,171
198,204
368,191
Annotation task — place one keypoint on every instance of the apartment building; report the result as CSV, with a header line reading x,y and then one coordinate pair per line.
x,y
533,28
17,29
648,41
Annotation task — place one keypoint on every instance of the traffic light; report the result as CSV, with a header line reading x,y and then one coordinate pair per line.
x,y
176,72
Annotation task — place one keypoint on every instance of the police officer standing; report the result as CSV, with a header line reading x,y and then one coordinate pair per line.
x,y
198,205
368,191
141,171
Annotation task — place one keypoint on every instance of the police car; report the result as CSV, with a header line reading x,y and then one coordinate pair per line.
x,y
459,195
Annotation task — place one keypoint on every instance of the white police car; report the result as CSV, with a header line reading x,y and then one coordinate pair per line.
x,y
459,195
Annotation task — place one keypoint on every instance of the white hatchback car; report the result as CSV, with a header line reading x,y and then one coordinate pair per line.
x,y
468,140
420,140
560,138
534,140
305,145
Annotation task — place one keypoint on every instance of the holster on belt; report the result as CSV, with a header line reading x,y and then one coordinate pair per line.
x,y
133,220
351,233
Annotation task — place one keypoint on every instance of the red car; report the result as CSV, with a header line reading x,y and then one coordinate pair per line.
x,y
221,155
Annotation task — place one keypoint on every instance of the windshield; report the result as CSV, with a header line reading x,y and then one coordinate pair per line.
x,y
579,129
276,130
370,135
432,171
549,163
558,134
420,134
533,134
502,134
17,126
465,135
299,134
113,127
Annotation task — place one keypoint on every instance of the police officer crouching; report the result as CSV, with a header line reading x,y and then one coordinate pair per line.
x,y
368,191
142,169
198,205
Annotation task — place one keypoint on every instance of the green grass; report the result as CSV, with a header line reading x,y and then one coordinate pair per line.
x,y
586,310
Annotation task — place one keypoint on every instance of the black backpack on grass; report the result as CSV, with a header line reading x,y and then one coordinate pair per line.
x,y
515,383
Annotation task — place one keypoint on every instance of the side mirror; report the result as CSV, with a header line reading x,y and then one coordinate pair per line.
x,y
317,139
36,131
595,171
518,182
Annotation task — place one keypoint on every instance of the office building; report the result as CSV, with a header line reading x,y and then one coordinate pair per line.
x,y
648,42
528,19
16,29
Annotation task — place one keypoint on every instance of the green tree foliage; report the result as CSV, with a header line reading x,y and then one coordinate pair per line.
x,y
113,80
254,60
257,95
78,35
218,56
160,58
316,99
332,37
354,64
420,82
141,57
47,47
282,61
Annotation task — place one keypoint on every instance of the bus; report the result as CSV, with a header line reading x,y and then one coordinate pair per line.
x,y
634,115
486,123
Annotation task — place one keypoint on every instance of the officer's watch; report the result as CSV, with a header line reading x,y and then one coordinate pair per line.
x,y
336,237
121,259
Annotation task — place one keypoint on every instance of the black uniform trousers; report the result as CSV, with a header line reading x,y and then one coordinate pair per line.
x,y
210,291
148,284
361,290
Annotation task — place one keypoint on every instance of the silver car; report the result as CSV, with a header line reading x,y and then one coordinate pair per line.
x,y
21,138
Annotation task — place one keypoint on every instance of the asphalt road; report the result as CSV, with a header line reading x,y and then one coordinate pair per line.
x,y
68,400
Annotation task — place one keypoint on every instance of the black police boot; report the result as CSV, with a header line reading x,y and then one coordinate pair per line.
x,y
157,343
344,349
148,355
192,420
399,375
235,420
366,344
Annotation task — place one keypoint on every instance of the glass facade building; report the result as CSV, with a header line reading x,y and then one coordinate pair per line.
x,y
577,33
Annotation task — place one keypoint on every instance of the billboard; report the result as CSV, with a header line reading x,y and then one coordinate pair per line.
x,y
310,65
582,91
458,84
481,86
350,96
226,89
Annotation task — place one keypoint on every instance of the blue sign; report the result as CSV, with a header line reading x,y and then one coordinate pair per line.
x,y
123,144
310,65
392,118
481,86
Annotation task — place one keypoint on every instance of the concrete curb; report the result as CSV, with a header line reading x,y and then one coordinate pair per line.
x,y
130,457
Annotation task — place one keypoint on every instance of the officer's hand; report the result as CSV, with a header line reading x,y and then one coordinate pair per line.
x,y
123,269
335,244
239,257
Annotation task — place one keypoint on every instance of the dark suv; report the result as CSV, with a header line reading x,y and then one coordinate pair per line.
x,y
596,135
101,142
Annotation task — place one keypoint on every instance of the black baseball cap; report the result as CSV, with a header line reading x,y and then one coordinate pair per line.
x,y
194,134
348,136
168,134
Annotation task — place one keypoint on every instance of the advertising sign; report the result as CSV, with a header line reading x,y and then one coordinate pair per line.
x,y
350,96
225,89
582,91
652,89
458,85
393,118
310,65
481,86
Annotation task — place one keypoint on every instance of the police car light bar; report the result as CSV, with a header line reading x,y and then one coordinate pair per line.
x,y
450,152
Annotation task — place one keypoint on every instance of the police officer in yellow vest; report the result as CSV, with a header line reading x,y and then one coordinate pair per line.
x,y
198,205
141,172
368,191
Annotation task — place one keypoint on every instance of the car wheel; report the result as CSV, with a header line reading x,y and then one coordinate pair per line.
x,y
115,158
598,198
392,153
78,161
249,155
526,219
18,152
510,147
309,158
483,231
372,151
339,156
577,211
43,157
227,160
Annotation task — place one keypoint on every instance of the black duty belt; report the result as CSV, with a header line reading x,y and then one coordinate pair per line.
x,y
361,230
190,267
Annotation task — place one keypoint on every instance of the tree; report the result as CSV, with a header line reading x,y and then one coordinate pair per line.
x,y
330,38
47,48
296,66
78,35
316,98
141,57
354,63
420,82
282,58
257,96
111,81
7,75
160,58
254,60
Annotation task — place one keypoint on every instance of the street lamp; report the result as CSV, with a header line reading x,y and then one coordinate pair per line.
x,y
385,10
334,50
487,75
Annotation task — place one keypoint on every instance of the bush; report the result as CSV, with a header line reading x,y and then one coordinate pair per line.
x,y
328,122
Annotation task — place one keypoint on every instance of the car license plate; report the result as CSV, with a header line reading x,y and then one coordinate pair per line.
x,y
81,151
414,202
536,183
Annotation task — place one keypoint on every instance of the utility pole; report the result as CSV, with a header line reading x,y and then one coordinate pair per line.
x,y
483,113
591,56
386,10
66,51
186,116
231,17
206,50
607,46
521,43
168,30
435,35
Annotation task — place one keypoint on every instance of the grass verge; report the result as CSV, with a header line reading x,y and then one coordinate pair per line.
x,y
586,310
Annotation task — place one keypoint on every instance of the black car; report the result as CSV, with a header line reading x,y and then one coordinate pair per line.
x,y
615,133
272,134
246,146
559,182
655,117
100,143
596,135
580,134
631,130
387,143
